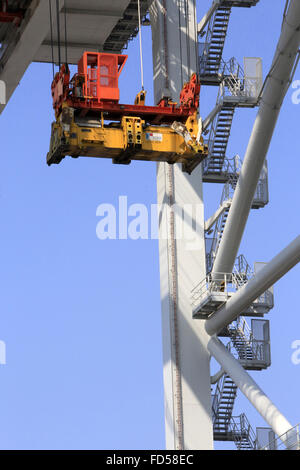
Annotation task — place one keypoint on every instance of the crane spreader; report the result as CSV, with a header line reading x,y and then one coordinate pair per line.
x,y
91,122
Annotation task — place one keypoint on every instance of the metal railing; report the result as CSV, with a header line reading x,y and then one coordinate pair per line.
x,y
227,195
230,166
217,397
233,82
242,267
253,353
205,51
229,187
244,346
236,84
218,229
241,326
216,283
214,127
242,432
260,200
224,285
288,441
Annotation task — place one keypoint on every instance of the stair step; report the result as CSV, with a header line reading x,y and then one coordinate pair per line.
x,y
223,413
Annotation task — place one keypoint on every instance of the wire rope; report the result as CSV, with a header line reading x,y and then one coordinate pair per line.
x,y
66,33
58,32
141,45
51,37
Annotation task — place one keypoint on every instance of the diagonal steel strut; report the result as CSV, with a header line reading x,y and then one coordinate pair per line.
x,y
257,285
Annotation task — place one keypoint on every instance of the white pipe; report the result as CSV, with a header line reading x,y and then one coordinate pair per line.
x,y
207,121
215,378
210,222
141,45
250,389
272,97
256,286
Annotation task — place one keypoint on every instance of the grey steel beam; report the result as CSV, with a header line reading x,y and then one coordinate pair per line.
x,y
256,286
26,47
87,12
75,50
276,86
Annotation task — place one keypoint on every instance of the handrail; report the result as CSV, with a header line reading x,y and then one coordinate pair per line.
x,y
224,284
289,440
257,348
219,282
260,199
240,427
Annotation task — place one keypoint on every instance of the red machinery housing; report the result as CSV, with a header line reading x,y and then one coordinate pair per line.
x,y
95,89
10,16
100,72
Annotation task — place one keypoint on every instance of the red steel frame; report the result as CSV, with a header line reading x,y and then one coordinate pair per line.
x,y
97,79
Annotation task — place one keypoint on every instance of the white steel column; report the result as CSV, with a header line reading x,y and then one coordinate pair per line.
x,y
275,89
185,354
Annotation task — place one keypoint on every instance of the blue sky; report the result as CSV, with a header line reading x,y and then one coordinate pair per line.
x,y
81,317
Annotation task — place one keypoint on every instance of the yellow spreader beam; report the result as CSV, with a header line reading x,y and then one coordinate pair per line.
x,y
127,140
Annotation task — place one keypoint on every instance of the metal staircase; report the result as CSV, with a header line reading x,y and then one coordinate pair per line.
x,y
238,88
242,344
253,355
222,406
251,345
211,51
242,433
243,268
235,91
239,3
218,140
226,427
260,200
219,226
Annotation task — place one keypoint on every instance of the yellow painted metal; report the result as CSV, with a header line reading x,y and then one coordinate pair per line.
x,y
124,141
140,98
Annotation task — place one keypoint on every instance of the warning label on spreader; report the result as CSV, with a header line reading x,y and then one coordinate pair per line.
x,y
154,136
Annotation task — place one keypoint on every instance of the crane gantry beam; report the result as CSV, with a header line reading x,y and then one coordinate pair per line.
x,y
24,49
90,25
